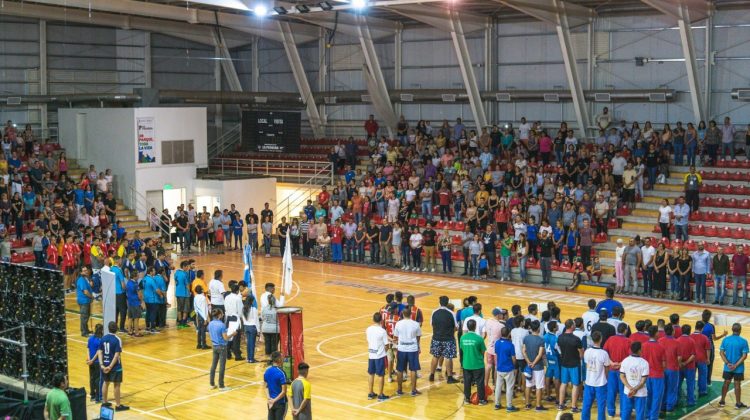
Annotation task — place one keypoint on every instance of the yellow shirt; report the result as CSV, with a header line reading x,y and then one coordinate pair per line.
x,y
198,282
306,388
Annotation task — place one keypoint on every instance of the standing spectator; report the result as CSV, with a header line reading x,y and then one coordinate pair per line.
x,y
416,240
664,220
681,216
586,235
629,179
633,260
655,355
302,394
219,337
701,268
506,360
604,119
270,325
275,384
57,404
351,148
545,261
489,239
445,246
727,138
648,252
596,361
473,348
720,269
408,333
443,342
402,131
702,348
430,240
200,303
693,182
634,372
740,263
571,354
84,296
734,351
533,353
713,137
373,236
337,237
95,371
684,270
619,266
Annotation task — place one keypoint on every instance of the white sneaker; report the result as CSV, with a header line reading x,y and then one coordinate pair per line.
x,y
433,270
415,269
424,270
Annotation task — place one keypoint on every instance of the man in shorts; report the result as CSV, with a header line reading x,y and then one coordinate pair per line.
x,y
571,353
408,333
110,350
390,318
443,342
533,353
377,343
182,293
733,352
134,300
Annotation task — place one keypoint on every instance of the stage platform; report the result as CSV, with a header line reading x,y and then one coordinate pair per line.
x,y
165,377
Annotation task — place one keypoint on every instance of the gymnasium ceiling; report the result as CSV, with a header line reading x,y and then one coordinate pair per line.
x,y
196,19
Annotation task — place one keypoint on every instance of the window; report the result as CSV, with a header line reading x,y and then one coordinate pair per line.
x,y
177,151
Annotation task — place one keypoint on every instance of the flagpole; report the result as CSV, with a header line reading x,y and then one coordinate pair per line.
x,y
286,269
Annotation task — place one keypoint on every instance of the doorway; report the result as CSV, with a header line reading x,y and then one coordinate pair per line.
x,y
172,198
207,201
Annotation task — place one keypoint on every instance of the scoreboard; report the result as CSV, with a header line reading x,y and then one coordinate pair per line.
x,y
271,131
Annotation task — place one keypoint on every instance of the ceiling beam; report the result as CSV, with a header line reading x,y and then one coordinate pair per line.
x,y
440,17
697,9
347,23
550,10
265,28
196,33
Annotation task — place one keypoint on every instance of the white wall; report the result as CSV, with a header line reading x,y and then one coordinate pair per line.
x,y
243,193
112,143
171,124
110,137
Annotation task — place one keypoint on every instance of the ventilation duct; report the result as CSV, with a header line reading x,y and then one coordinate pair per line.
x,y
741,94
551,97
449,97
602,97
657,97
502,97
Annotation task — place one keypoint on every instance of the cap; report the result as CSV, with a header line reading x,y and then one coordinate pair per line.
x,y
619,241
496,311
527,372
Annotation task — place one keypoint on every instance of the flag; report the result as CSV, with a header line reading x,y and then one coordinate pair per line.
x,y
286,268
247,258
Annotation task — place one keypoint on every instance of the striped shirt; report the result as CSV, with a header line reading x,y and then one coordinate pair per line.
x,y
304,226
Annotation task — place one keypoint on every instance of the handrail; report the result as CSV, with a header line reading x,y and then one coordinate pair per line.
x,y
286,170
137,199
224,142
284,207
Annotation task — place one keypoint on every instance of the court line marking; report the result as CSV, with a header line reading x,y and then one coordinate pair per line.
x,y
742,385
143,356
324,354
158,416
204,397
338,322
362,407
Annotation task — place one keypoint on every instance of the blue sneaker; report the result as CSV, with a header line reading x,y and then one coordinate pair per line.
x,y
399,392
415,393
383,397
371,396
511,409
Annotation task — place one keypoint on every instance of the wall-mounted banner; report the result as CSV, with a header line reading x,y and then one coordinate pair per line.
x,y
146,140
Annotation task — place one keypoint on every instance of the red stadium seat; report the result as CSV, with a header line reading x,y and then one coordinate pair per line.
x,y
725,232
657,229
459,226
697,216
699,230
734,218
623,210
731,248
711,246
601,237
421,222
721,217
723,176
711,231
738,233
709,216
722,163
613,223
734,163
691,245
747,234
719,202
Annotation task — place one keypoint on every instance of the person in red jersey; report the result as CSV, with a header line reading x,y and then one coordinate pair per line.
x,y
702,354
618,347
654,354
640,335
687,365
675,320
672,373
52,254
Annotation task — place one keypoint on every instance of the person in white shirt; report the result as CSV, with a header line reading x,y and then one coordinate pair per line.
x,y
200,304
270,289
648,252
616,319
517,334
524,129
590,317
619,274
216,290
233,314
479,320
415,243
251,324
633,374
665,214
595,386
377,342
408,333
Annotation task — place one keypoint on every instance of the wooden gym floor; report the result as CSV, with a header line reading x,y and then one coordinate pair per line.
x,y
165,377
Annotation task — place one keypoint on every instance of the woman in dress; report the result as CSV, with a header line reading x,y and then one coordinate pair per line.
x,y
684,269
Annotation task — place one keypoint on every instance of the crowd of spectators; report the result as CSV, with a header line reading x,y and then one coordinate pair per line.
x,y
520,195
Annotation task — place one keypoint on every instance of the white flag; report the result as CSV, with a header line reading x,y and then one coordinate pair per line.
x,y
286,267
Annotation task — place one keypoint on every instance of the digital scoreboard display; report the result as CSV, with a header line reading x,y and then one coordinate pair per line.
x,y
271,131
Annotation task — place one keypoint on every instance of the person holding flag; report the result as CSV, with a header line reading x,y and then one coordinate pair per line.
x,y
287,269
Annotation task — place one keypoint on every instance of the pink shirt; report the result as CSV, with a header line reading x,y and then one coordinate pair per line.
x,y
545,144
492,328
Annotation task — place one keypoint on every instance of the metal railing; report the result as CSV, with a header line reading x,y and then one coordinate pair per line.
x,y
228,139
298,198
295,171
142,206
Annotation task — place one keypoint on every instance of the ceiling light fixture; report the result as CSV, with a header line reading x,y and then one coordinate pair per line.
x,y
302,8
260,10
279,10
325,5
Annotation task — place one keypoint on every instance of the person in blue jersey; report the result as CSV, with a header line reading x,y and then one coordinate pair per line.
x,y
733,352
552,353
121,304
84,296
237,226
134,297
161,287
609,302
109,354
95,372
151,299
182,293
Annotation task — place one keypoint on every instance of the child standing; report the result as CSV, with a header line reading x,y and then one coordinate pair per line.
x,y
219,240
201,316
483,265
